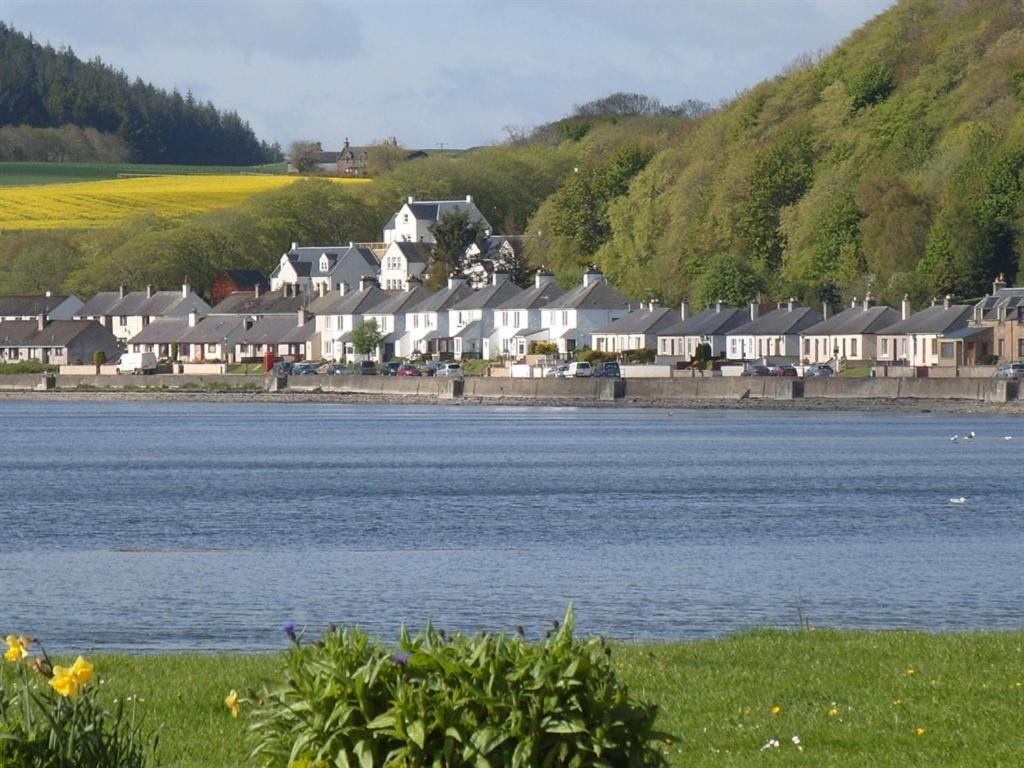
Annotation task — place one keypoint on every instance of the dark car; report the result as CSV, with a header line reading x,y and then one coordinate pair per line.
x,y
366,368
756,370
338,369
408,370
608,370
391,368
282,368
783,370
303,369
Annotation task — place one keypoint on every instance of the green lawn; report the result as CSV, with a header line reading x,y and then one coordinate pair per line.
x,y
849,698
20,174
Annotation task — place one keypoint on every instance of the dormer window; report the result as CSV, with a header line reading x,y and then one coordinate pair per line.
x,y
324,264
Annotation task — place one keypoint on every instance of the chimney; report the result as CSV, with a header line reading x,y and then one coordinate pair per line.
x,y
592,275
791,305
542,278
321,289
868,301
935,301
410,200
120,291
825,309
684,309
302,316
853,302
295,246
41,321
498,277
469,198
718,307
755,310
342,288
455,280
652,305
366,282
186,289
947,301
149,291
193,318
48,293
258,290
905,307
998,284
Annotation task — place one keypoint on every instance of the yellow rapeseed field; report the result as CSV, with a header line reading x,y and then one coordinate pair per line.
x,y
92,204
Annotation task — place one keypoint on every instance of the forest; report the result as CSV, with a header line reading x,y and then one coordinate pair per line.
x,y
46,88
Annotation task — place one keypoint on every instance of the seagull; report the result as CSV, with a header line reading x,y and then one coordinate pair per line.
x,y
958,500
1008,437
954,438
970,435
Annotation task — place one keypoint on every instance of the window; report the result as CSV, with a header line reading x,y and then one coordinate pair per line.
x,y
565,317
504,319
122,321
853,348
211,348
935,346
415,321
516,319
885,347
13,354
1000,346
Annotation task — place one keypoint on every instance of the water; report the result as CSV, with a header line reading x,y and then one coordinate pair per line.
x,y
183,526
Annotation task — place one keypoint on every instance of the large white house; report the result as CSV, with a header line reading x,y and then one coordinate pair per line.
x,y
774,335
849,335
571,319
318,269
517,322
414,219
392,317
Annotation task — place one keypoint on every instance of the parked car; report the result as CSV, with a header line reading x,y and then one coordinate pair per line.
x,y
582,368
755,369
783,370
558,372
137,362
1013,370
608,370
304,369
449,369
366,368
408,370
390,368
337,369
818,372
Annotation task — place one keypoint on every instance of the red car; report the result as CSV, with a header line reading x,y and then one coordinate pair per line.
x,y
408,370
783,370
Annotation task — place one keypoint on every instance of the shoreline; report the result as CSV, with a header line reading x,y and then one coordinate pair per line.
x,y
861,405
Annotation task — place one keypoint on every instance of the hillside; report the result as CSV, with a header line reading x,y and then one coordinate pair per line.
x,y
893,163
41,88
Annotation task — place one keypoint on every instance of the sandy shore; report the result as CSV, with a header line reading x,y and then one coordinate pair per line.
x,y
802,404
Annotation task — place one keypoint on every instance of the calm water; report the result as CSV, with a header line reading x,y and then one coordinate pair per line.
x,y
148,526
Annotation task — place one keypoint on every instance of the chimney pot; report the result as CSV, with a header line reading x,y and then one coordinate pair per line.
x,y
684,307
868,301
947,301
905,307
410,200
718,306
592,275
186,289
755,310
791,305
48,293
469,198
295,246
824,310
301,316
149,291
999,283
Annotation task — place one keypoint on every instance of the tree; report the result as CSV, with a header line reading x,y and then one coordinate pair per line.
x,y
366,338
99,357
384,156
453,233
304,155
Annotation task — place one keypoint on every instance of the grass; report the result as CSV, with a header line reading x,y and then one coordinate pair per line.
x,y
94,204
26,366
20,174
851,698
245,368
856,371
476,367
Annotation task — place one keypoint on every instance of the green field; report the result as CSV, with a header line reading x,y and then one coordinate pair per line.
x,y
880,699
21,174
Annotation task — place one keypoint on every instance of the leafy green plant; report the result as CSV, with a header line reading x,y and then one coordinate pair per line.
x,y
487,700
26,366
50,717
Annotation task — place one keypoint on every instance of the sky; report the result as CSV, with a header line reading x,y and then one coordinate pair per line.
x,y
451,73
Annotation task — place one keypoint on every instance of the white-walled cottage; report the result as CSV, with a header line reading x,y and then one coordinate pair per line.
x,y
517,322
710,326
848,335
774,335
916,340
414,219
572,318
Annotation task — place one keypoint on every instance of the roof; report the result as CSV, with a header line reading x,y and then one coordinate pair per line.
x,y
415,253
56,333
855,320
443,299
245,278
641,321
214,329
936,319
350,302
597,295
969,332
402,301
432,210
166,330
277,330
490,297
535,297
780,322
1011,299
139,304
718,319
30,306
473,329
268,303
305,259
98,305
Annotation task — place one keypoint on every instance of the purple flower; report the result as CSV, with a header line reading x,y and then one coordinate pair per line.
x,y
289,629
401,658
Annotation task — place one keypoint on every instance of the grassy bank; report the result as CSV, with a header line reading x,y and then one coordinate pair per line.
x,y
849,698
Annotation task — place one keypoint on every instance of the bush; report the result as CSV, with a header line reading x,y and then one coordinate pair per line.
x,y
26,366
638,356
488,700
543,348
50,717
594,356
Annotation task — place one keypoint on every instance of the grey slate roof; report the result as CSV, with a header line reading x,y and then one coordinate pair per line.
x,y
166,330
278,330
56,333
712,321
490,297
98,305
935,319
214,329
443,299
415,253
780,322
138,304
30,306
432,210
641,321
535,297
597,295
270,303
855,320
1010,298
403,301
350,303
306,259
472,329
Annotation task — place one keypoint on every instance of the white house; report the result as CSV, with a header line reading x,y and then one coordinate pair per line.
x,y
427,323
414,219
572,318
916,339
497,253
849,335
681,338
318,269
517,322
339,312
126,314
392,317
775,335
281,336
55,307
471,320
403,259
636,330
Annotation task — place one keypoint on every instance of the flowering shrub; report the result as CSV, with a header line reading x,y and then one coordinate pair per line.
x,y
50,717
488,700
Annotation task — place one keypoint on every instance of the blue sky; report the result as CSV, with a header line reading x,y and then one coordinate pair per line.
x,y
441,71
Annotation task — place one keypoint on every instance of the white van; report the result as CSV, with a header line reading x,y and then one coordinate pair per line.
x,y
579,369
137,362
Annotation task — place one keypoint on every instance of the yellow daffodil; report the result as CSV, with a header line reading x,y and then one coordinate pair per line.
x,y
776,709
911,671
919,731
17,647
232,703
833,712
68,681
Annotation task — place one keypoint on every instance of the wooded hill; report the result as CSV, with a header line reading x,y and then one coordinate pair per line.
x,y
41,87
